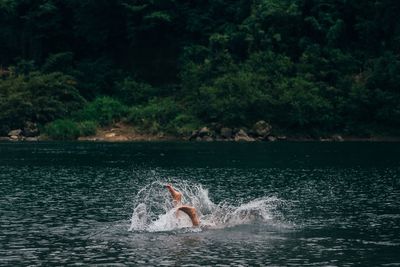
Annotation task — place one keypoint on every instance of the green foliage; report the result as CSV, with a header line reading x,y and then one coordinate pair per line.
x,y
87,128
301,105
38,98
302,65
132,92
158,16
96,77
104,110
62,62
62,129
155,115
24,67
232,99
67,129
183,124
54,96
15,104
376,98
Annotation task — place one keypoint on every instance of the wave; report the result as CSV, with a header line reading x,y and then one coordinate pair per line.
x,y
154,211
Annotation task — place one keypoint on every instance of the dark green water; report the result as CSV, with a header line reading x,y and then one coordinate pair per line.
x,y
70,203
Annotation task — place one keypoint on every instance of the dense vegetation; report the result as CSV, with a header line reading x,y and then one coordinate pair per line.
x,y
307,66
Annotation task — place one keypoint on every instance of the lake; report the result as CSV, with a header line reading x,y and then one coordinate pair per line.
x,y
260,204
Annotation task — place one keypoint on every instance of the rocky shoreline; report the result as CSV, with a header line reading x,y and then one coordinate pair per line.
x,y
260,132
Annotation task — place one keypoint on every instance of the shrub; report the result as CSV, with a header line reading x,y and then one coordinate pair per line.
x,y
104,110
383,83
96,77
232,99
15,104
62,129
155,115
24,67
87,128
132,92
183,124
299,104
54,96
38,98
62,62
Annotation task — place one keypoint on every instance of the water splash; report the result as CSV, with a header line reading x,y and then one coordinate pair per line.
x,y
155,212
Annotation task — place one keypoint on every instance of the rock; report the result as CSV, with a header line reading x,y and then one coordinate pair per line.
x,y
251,132
194,134
262,128
281,137
120,138
30,130
110,135
204,132
207,139
86,138
337,138
14,137
271,138
43,137
242,136
226,133
31,139
16,132
248,139
241,132
4,138
220,139
215,127
235,131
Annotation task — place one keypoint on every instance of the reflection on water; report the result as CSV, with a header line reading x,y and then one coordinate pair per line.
x,y
68,203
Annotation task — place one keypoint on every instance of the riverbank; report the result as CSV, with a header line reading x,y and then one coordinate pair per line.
x,y
120,132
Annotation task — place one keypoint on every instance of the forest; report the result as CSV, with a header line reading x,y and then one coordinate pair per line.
x,y
307,67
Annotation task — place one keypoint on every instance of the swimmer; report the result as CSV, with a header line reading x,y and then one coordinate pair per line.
x,y
190,211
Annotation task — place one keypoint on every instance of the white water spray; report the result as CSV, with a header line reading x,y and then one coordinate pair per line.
x,y
155,212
